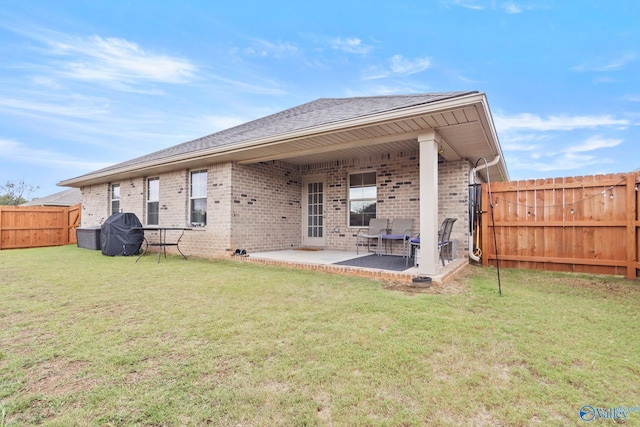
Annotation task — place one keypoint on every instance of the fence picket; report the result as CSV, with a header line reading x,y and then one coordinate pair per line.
x,y
579,224
37,226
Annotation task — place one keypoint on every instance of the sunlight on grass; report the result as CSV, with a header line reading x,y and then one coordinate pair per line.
x,y
107,341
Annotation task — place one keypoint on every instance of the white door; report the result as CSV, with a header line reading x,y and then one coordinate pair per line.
x,y
313,213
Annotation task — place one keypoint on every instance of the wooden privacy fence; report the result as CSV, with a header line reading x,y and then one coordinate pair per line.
x,y
35,226
581,224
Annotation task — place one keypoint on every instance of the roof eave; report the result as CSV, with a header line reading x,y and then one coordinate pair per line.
x,y
214,152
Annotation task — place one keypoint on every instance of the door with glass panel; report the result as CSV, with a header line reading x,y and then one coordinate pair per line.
x,y
313,213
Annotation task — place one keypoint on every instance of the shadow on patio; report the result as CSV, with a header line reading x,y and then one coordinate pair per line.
x,y
386,267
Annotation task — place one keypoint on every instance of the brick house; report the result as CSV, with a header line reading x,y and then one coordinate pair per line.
x,y
311,175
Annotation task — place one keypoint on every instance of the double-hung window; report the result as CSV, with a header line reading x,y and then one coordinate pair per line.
x,y
198,198
115,198
153,201
363,195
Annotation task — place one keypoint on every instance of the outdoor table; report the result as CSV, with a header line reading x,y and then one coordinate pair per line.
x,y
162,240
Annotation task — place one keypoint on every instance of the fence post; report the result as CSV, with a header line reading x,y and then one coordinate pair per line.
x,y
0,228
631,225
66,226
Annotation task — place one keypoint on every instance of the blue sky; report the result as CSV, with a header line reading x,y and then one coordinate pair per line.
x,y
85,84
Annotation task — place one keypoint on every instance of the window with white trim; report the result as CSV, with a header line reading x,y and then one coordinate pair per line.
x,y
115,198
363,195
153,201
198,198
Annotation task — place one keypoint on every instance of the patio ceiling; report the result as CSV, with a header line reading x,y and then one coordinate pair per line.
x,y
466,134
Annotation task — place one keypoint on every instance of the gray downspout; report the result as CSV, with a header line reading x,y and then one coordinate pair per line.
x,y
472,180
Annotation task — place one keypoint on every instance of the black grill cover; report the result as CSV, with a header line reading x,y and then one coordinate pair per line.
x,y
117,236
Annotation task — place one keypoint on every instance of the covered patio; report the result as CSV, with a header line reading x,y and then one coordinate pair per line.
x,y
312,177
420,153
387,267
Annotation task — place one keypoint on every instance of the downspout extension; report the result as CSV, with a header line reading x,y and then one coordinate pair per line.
x,y
472,181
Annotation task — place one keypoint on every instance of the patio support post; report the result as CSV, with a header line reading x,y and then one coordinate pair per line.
x,y
429,144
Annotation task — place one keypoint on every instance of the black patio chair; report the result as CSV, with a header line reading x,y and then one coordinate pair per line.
x,y
444,240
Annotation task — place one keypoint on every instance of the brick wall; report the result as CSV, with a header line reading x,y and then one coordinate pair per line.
x,y
265,206
258,207
453,200
96,201
398,184
398,187
95,204
132,197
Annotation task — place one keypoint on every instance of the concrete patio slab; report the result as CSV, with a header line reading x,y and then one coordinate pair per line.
x,y
325,259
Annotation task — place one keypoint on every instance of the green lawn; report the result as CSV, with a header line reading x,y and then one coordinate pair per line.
x,y
98,341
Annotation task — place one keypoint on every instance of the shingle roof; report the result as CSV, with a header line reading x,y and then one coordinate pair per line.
x,y
69,197
319,112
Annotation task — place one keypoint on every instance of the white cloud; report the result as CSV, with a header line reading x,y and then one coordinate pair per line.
x,y
114,59
47,82
554,123
547,157
405,66
564,162
16,151
468,4
603,65
350,45
399,65
265,48
512,8
592,143
520,147
73,106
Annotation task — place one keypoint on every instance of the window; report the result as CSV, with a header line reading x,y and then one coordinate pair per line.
x,y
362,198
198,198
115,198
153,201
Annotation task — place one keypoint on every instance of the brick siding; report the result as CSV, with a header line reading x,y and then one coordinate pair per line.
x,y
258,207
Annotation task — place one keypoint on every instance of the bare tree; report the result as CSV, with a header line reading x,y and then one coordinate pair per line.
x,y
15,193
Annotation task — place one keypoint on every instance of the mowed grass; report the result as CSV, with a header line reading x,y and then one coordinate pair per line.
x,y
98,341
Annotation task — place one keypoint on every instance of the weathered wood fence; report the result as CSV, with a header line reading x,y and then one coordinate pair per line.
x,y
35,226
584,224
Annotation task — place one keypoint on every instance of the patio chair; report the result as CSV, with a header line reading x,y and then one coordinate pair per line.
x,y
444,240
377,227
400,230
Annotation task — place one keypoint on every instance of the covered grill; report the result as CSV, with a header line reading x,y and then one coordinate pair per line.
x,y
121,234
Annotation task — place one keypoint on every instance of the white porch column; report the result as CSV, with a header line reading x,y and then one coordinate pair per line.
x,y
429,144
